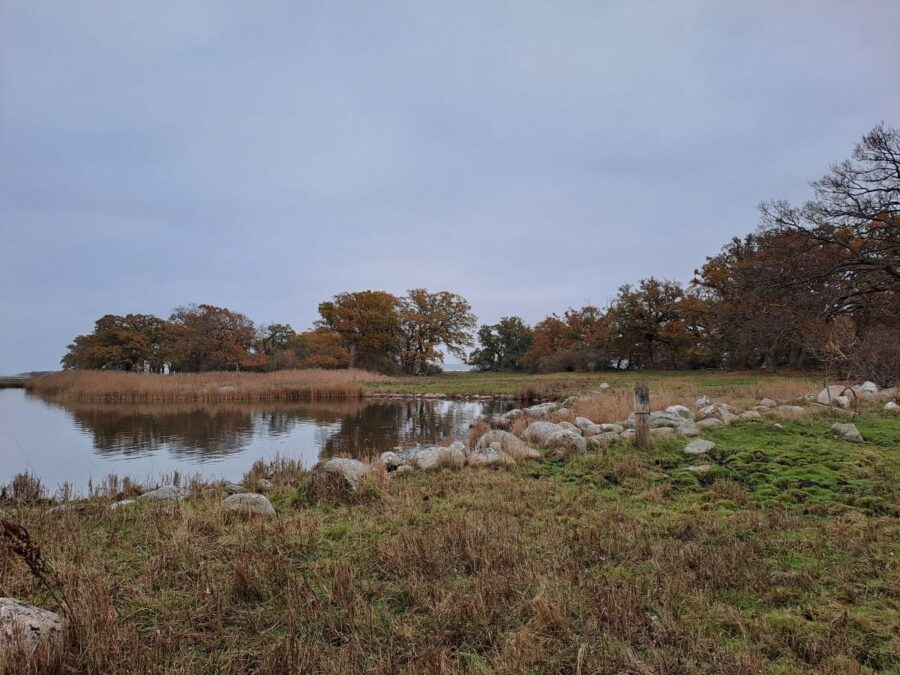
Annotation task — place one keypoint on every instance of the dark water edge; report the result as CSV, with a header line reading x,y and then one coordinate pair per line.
x,y
77,442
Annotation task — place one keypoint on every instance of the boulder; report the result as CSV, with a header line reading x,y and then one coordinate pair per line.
x,y
701,401
601,441
891,407
750,415
391,460
570,427
540,432
562,412
35,627
761,409
264,485
888,394
233,488
167,493
681,411
867,387
541,411
584,423
710,422
351,470
249,503
510,444
438,457
846,431
699,446
768,403
688,429
489,455
614,428
843,401
124,504
720,410
565,443
791,409
830,393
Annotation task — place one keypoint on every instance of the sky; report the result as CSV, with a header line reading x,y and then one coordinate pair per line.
x,y
531,156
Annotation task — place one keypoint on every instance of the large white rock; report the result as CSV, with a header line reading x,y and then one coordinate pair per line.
x,y
681,411
540,432
710,422
566,443
167,493
34,626
830,393
750,415
510,444
701,401
768,403
688,429
891,407
249,503
489,455
542,410
351,470
847,431
699,446
791,409
584,423
437,457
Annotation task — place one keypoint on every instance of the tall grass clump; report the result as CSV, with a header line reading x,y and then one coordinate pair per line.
x,y
122,387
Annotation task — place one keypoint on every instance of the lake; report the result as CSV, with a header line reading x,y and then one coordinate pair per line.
x,y
78,442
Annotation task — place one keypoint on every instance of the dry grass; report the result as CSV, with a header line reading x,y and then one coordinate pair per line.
x,y
606,563
119,387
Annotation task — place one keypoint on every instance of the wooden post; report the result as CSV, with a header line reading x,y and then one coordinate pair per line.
x,y
642,415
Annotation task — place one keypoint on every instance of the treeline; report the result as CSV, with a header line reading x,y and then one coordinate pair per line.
x,y
816,285
374,330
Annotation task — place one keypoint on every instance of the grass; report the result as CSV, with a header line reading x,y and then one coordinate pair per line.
x,y
122,387
678,384
12,382
781,559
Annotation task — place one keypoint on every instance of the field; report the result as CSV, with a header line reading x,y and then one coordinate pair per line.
x,y
781,559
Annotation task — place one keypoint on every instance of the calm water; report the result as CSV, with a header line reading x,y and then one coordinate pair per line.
x,y
77,442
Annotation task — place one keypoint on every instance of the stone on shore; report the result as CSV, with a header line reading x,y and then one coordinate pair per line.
x,y
167,493
438,457
710,422
891,407
750,415
234,488
542,410
351,470
830,393
768,403
846,431
35,627
791,409
699,446
488,456
681,411
511,444
540,432
565,443
688,429
249,503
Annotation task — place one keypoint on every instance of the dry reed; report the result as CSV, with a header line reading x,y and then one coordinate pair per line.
x,y
121,387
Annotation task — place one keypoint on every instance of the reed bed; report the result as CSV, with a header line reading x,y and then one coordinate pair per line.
x,y
120,387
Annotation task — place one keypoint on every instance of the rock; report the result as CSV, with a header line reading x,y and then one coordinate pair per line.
x,y
351,470
628,433
512,445
570,427
888,394
617,428
768,403
867,387
830,393
584,423
710,422
719,410
541,411
843,401
167,493
36,627
391,460
601,441
566,443
264,485
561,412
728,417
404,468
249,503
63,508
124,504
688,429
761,409
699,468
437,457
569,402
513,414
846,431
487,456
702,401
777,427
891,407
699,446
540,432
681,411
750,415
662,432
791,409
234,488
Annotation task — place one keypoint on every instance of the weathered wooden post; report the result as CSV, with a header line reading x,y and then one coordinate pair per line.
x,y
642,415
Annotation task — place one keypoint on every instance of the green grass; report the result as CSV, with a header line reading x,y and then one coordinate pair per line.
x,y
782,560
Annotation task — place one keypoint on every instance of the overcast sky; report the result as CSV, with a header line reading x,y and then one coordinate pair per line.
x,y
529,155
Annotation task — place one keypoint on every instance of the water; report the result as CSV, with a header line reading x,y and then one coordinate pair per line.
x,y
77,442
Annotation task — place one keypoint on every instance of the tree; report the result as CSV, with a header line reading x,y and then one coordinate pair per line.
x,y
368,324
429,320
322,348
128,342
503,345
579,340
206,337
854,217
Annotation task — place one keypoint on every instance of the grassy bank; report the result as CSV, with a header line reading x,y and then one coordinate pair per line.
x,y
12,382
121,387
781,559
683,385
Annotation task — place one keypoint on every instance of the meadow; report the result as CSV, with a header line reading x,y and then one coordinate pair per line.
x,y
781,558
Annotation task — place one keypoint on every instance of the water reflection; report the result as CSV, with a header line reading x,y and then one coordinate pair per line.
x,y
198,432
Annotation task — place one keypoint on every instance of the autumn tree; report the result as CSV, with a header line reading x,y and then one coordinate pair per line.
x,y
322,348
128,342
576,341
503,345
429,321
206,337
368,323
